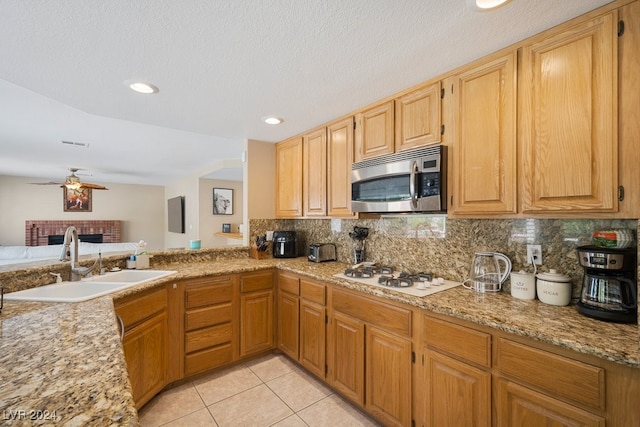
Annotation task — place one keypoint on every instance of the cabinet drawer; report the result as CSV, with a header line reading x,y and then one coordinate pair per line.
x,y
141,307
313,292
208,294
207,359
207,337
256,281
385,316
557,375
469,344
207,316
289,284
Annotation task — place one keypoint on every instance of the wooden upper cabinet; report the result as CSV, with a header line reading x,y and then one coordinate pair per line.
x,y
568,119
481,105
375,131
314,172
418,118
629,110
339,160
289,178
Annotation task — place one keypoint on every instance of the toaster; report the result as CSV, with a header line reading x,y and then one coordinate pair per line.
x,y
320,252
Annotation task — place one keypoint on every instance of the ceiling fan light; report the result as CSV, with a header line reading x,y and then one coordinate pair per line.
x,y
72,185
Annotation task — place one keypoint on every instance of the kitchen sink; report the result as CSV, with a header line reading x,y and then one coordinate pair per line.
x,y
129,276
89,288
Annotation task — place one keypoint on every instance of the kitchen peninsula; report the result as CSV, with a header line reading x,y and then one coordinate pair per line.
x,y
66,359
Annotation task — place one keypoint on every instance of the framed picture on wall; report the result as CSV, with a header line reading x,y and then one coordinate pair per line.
x,y
223,201
76,200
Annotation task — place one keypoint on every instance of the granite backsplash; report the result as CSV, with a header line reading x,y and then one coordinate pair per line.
x,y
445,247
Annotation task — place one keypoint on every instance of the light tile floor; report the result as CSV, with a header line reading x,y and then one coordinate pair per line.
x,y
268,391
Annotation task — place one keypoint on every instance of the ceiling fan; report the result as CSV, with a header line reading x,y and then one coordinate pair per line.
x,y
72,182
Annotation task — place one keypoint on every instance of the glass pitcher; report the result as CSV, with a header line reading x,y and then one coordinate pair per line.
x,y
486,274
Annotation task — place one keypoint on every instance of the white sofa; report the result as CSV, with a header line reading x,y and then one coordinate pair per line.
x,y
21,254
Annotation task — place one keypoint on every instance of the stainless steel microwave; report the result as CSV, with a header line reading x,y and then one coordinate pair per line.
x,y
408,181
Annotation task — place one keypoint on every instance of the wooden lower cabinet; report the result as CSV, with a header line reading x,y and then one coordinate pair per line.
x,y
210,325
454,393
288,324
145,349
346,368
288,314
464,374
517,405
456,375
370,358
388,377
312,337
145,342
256,312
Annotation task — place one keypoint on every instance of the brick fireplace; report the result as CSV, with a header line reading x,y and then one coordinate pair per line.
x,y
37,232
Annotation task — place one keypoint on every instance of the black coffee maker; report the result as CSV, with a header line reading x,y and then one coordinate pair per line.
x,y
609,287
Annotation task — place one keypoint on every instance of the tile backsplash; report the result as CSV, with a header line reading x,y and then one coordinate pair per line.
x,y
445,247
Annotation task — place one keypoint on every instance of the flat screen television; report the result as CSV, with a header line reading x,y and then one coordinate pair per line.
x,y
175,209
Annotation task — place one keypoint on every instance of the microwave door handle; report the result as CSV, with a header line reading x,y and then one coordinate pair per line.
x,y
412,184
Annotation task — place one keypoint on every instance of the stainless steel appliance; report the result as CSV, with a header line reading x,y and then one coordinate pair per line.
x,y
609,287
321,252
408,181
285,244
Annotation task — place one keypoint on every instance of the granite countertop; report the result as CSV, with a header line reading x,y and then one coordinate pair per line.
x,y
66,359
63,364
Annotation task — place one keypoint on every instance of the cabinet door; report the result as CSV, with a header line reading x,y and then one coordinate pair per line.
x,y
568,113
288,318
375,132
289,178
388,377
519,406
455,393
256,322
346,367
314,171
629,110
484,138
339,160
418,119
312,337
146,353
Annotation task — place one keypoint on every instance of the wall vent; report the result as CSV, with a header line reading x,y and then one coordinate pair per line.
x,y
76,144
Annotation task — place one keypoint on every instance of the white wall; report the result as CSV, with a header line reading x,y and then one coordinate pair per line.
x,y
139,207
210,223
189,188
260,176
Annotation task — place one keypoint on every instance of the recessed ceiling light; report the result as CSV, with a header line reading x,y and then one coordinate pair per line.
x,y
484,5
273,120
141,87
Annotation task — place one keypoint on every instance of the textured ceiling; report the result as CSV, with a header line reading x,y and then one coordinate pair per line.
x,y
221,65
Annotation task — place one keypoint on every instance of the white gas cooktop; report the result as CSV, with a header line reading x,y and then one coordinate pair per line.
x,y
430,288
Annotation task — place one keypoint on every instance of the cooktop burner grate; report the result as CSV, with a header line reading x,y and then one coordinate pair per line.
x,y
418,284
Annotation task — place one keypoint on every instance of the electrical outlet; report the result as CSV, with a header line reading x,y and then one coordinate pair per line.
x,y
269,236
534,252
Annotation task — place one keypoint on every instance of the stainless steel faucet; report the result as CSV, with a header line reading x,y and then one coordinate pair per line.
x,y
67,254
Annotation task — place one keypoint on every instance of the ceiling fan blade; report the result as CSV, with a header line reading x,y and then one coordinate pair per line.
x,y
46,183
93,186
